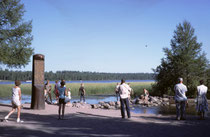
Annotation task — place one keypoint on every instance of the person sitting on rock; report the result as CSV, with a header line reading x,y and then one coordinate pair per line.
x,y
130,92
145,95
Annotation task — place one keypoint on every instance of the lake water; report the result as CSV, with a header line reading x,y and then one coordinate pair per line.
x,y
94,100
82,81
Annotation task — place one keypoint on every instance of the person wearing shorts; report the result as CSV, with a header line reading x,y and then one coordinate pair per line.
x,y
62,93
16,101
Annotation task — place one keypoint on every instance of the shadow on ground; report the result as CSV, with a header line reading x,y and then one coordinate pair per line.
x,y
85,124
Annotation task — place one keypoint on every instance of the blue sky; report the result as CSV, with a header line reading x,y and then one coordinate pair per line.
x,y
111,35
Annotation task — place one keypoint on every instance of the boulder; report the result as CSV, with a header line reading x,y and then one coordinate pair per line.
x,y
106,106
112,107
153,99
94,106
117,103
102,103
111,103
165,99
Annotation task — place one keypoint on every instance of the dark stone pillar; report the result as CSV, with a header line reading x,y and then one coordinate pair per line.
x,y
37,99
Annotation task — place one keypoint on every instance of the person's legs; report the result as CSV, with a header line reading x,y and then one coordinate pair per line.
x,y
84,98
183,104
80,98
12,111
122,108
127,107
63,110
59,109
117,95
18,111
49,94
178,110
202,114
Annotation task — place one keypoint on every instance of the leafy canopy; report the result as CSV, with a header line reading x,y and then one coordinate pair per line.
x,y
15,35
184,59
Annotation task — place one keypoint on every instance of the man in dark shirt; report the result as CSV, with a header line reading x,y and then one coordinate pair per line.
x,y
82,93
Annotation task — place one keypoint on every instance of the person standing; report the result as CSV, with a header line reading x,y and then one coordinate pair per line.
x,y
201,100
62,93
117,91
16,101
180,99
56,91
82,93
48,91
124,91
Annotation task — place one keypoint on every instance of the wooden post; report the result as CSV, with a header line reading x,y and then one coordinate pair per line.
x,y
37,99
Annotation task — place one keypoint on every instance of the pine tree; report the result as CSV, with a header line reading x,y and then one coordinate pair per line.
x,y
15,35
185,59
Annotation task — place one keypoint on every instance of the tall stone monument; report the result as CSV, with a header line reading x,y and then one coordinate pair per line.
x,y
37,99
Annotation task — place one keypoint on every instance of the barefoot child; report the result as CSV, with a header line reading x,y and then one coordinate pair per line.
x,y
16,100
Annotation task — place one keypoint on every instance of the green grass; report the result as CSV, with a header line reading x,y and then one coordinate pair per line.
x,y
91,88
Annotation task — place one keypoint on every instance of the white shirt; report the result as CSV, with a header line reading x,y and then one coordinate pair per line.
x,y
69,94
202,90
124,90
180,90
15,93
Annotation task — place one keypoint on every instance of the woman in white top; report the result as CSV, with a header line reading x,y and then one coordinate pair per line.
x,y
16,100
201,100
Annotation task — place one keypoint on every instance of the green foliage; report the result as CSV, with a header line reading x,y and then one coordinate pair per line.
x,y
15,34
74,75
91,88
184,59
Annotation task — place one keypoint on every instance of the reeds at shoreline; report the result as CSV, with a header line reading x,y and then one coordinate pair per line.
x,y
91,88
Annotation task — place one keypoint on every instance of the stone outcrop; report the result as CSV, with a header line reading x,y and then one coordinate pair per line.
x,y
152,101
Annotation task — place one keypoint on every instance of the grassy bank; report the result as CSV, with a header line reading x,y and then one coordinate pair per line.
x,y
91,88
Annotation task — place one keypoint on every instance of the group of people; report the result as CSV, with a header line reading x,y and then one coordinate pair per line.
x,y
181,99
63,95
123,92
48,88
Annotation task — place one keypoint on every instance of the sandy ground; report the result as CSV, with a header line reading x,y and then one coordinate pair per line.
x,y
98,122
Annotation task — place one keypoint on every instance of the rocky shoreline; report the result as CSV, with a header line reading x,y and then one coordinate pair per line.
x,y
152,102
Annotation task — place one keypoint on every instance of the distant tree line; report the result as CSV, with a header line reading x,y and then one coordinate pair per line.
x,y
74,75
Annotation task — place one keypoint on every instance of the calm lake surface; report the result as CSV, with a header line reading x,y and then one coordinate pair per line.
x,y
82,81
93,100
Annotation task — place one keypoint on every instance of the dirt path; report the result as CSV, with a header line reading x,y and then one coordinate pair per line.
x,y
98,122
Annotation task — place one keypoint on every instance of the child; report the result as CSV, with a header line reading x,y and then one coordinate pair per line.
x,y
62,93
69,93
16,101
68,97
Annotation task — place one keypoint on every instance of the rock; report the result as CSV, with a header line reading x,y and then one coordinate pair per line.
x,y
111,103
117,103
69,105
117,106
112,107
165,96
102,103
165,99
77,105
154,99
94,106
106,106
